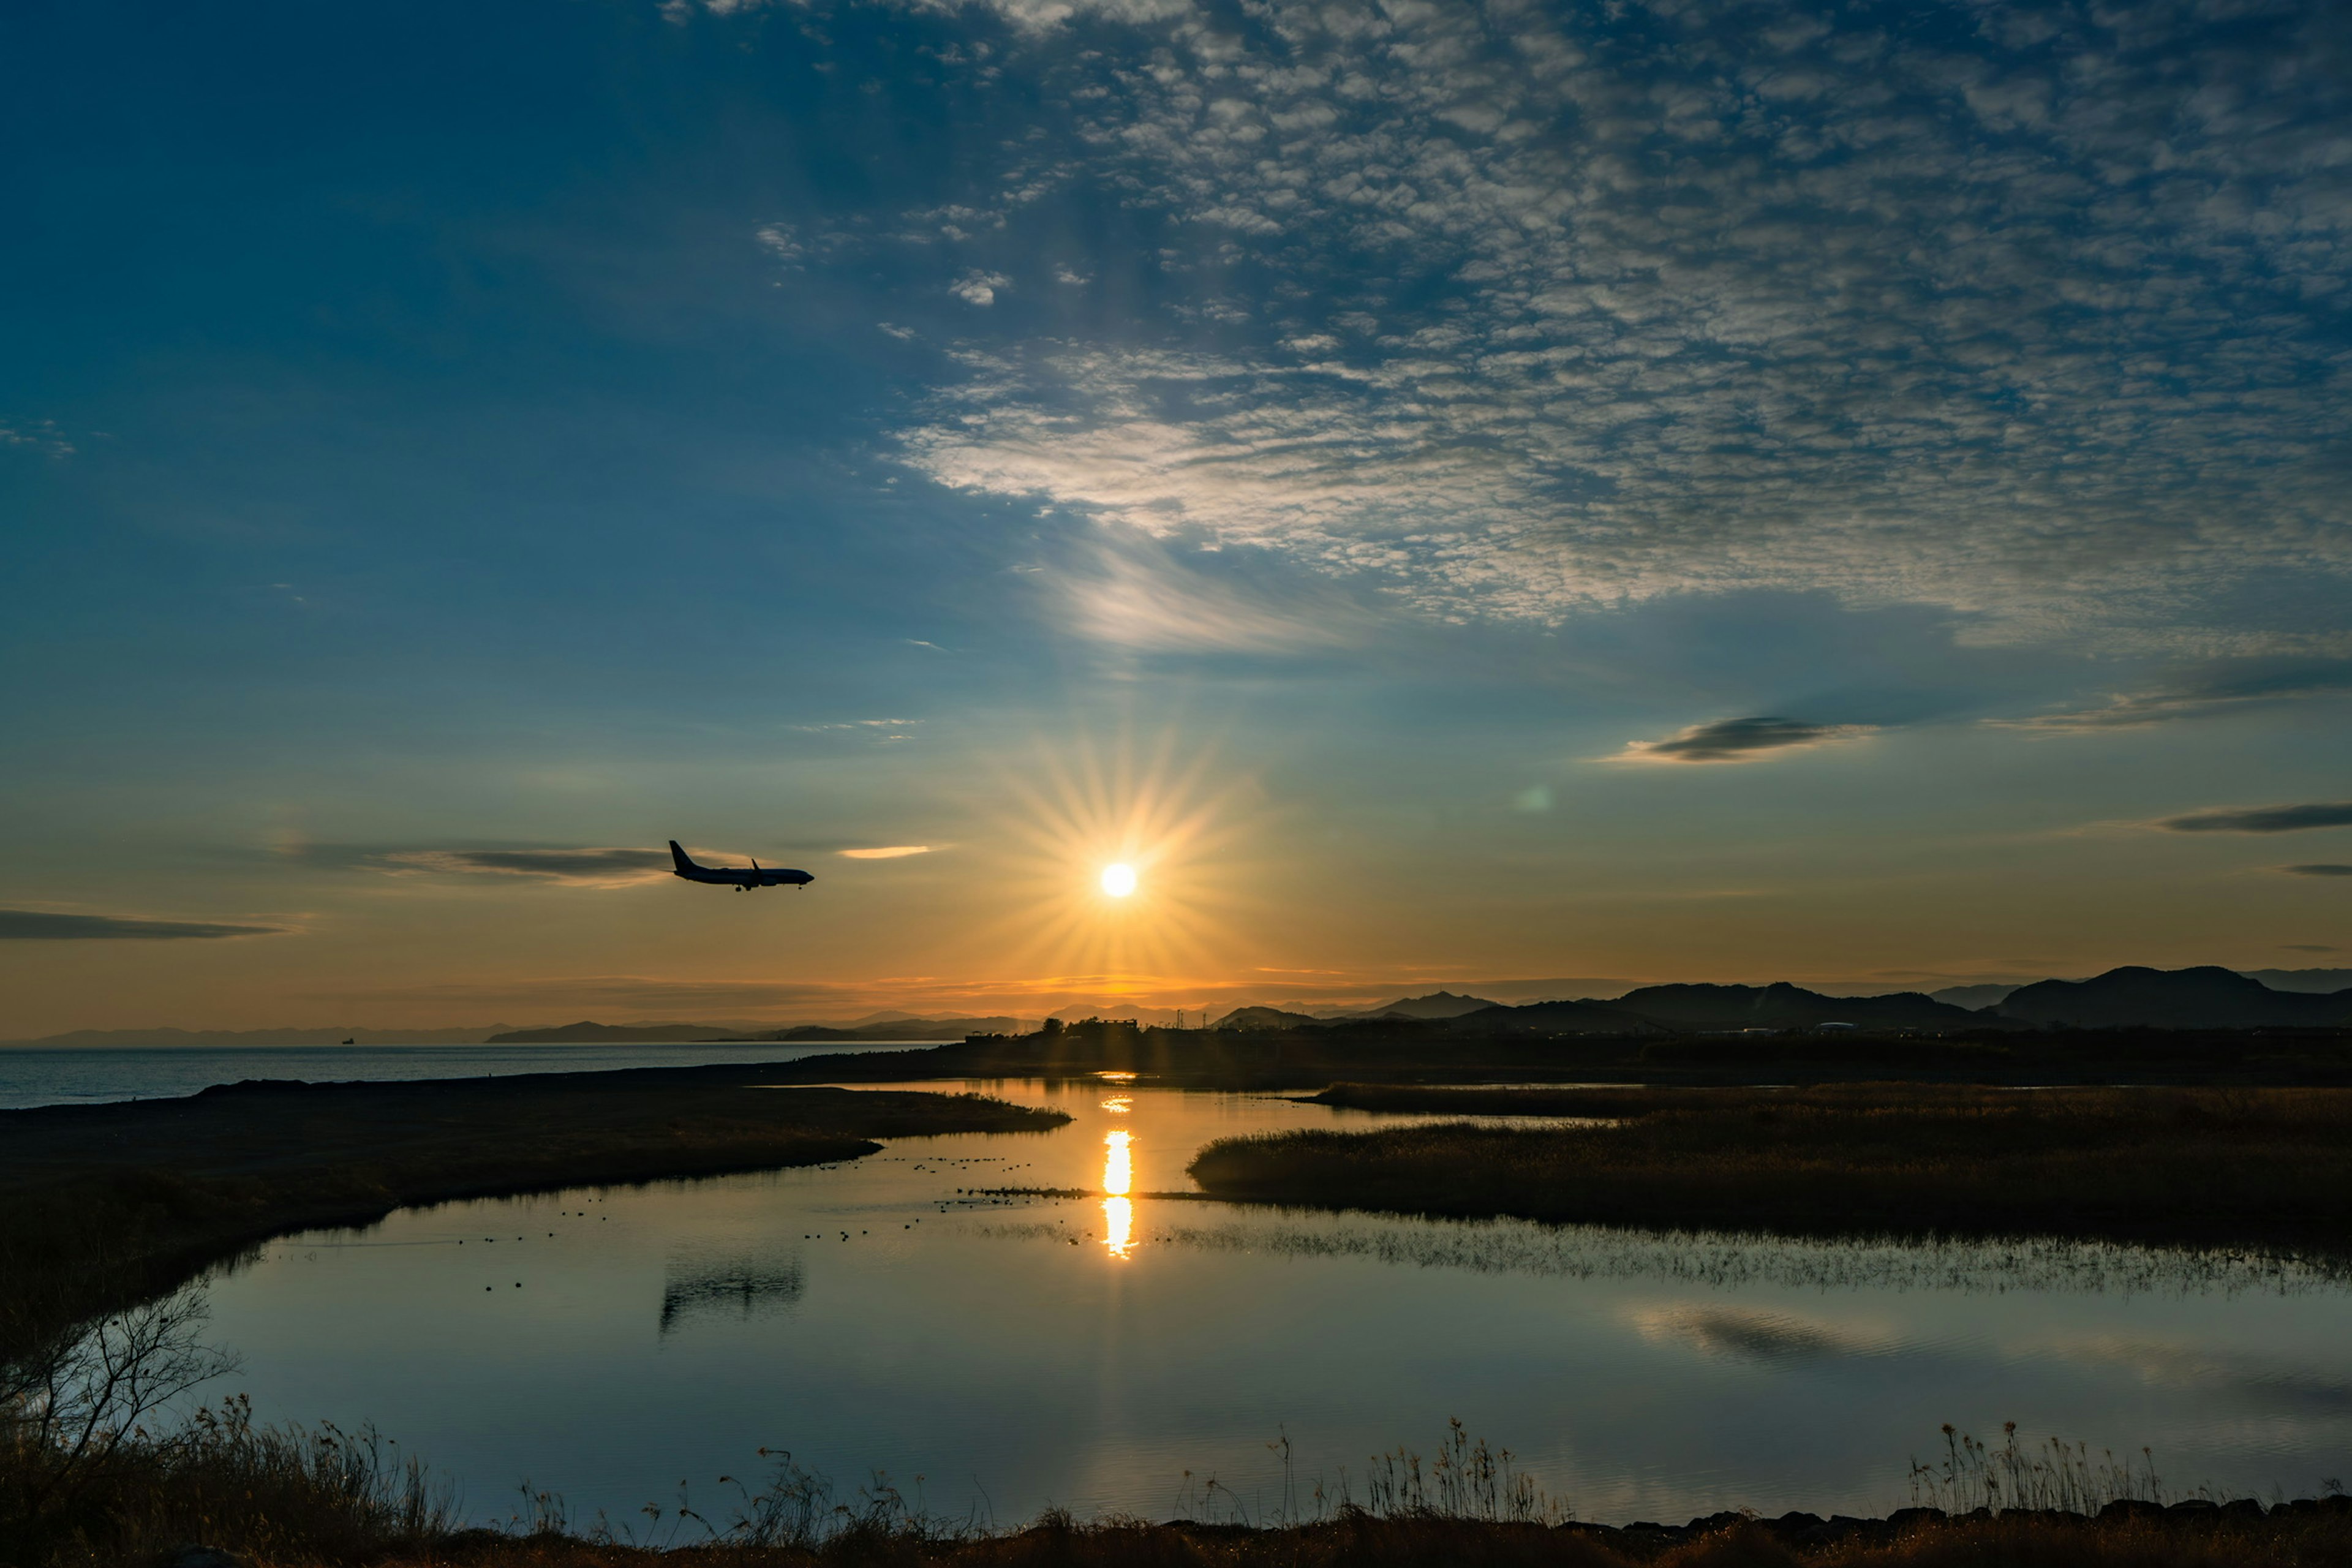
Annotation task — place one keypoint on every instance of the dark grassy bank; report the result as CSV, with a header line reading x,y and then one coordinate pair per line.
x,y
1442,1051
2238,1167
2291,1541
101,1205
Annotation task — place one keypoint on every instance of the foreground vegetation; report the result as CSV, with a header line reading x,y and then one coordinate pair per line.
x,y
218,1491
101,1205
2241,1167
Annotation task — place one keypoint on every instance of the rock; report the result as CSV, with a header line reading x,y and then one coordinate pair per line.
x,y
201,1557
2194,1506
2242,1508
2130,1507
1707,1524
1914,1518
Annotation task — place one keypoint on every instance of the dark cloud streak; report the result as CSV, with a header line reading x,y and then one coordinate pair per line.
x,y
1741,740
35,925
2263,818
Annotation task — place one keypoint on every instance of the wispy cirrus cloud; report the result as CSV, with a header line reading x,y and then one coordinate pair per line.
x,y
1740,740
2320,869
1141,595
2263,818
884,852
40,925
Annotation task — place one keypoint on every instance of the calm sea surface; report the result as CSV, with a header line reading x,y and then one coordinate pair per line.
x,y
38,1074
885,1315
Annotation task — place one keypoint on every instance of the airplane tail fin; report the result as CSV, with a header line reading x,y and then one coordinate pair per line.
x,y
680,859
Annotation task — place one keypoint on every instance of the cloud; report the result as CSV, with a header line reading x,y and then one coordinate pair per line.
x,y
886,852
1740,740
779,241
42,435
2263,818
35,925
584,868
2234,686
581,866
979,288
1137,594
1512,312
2321,868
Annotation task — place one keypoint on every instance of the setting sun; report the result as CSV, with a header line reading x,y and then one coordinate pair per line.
x,y
1118,881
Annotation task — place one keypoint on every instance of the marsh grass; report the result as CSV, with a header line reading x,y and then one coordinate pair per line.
x,y
2054,1476
286,1497
2258,1168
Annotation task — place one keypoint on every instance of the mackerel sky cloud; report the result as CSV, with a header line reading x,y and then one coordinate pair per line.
x,y
1512,309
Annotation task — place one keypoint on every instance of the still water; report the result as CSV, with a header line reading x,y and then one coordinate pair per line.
x,y
889,1314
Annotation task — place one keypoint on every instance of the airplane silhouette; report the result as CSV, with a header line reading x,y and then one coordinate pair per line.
x,y
741,882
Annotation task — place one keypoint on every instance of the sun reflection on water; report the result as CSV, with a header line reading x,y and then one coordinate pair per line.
x,y
1118,1176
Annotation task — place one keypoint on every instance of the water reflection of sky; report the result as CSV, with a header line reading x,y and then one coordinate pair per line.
x,y
903,1313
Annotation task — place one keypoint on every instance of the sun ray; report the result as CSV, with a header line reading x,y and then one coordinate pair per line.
x,y
1121,864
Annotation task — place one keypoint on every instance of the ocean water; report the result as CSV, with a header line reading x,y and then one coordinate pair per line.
x,y
1117,1351
42,1075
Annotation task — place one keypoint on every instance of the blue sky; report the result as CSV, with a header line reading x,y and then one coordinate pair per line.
x,y
1640,491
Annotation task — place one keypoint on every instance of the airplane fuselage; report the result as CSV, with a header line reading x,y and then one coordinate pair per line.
x,y
756,876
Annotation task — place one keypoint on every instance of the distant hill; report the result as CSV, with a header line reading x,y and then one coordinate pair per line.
x,y
2206,997
1436,1004
2324,981
1781,1005
1269,1018
219,1037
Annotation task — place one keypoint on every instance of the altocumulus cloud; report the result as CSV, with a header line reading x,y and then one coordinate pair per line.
x,y
35,925
2263,818
1740,741
1510,309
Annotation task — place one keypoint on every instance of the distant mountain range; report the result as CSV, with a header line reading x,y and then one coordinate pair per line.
x,y
1649,1009
2132,997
